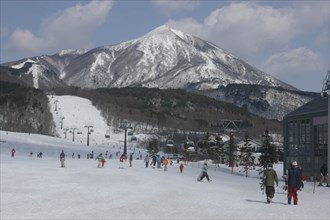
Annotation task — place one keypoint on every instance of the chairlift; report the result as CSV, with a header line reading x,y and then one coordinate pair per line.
x,y
107,134
133,139
91,130
79,132
130,133
170,143
212,143
190,144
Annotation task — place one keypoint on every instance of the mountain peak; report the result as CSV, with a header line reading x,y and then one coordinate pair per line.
x,y
165,31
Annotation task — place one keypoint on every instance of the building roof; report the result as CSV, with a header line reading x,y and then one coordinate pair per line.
x,y
317,105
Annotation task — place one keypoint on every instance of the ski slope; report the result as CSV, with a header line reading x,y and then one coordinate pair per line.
x,y
37,188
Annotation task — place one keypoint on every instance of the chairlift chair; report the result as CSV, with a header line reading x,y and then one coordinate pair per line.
x,y
107,134
170,143
133,139
190,144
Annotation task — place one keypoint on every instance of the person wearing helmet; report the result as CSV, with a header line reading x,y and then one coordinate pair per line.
x,y
269,178
293,180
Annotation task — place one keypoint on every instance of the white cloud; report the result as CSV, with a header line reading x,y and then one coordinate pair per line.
x,y
297,62
171,7
247,28
71,28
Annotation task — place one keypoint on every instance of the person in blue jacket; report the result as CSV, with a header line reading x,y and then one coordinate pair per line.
x,y
294,179
204,173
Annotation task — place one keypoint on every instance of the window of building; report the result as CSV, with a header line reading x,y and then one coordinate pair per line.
x,y
321,139
299,137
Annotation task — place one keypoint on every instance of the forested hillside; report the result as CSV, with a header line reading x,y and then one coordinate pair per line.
x,y
24,109
175,109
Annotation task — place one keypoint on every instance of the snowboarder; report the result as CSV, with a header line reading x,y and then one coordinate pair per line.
x,y
13,152
62,159
204,173
293,181
324,175
100,159
146,160
269,177
181,167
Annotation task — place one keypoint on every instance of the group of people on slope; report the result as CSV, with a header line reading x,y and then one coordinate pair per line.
x,y
294,181
164,161
101,160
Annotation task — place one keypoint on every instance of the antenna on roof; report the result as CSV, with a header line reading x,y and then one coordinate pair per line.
x,y
326,85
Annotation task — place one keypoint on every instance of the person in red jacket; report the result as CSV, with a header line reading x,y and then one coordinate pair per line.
x,y
122,159
181,167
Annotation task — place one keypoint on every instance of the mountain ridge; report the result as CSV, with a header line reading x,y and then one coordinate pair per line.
x,y
164,58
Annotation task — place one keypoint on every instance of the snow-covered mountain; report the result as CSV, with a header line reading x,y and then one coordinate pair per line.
x,y
163,58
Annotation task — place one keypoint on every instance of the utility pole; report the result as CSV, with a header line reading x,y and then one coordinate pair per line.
x,y
73,129
125,127
65,132
61,118
88,132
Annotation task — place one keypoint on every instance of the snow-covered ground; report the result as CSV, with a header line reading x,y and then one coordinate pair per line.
x,y
37,188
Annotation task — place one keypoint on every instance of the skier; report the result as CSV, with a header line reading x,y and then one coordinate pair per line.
x,y
181,167
158,160
153,162
13,152
293,181
130,160
62,159
204,173
121,160
269,177
165,162
100,159
146,160
324,175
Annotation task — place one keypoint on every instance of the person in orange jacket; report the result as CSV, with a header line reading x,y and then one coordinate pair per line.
x,y
165,162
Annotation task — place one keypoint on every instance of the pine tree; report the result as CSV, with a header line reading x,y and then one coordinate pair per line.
x,y
246,155
153,146
268,151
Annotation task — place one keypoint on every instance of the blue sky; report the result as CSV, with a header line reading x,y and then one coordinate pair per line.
x,y
287,39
